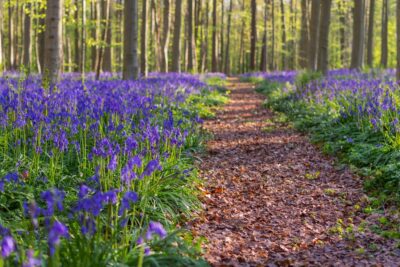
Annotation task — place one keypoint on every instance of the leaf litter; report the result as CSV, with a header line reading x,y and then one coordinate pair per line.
x,y
271,198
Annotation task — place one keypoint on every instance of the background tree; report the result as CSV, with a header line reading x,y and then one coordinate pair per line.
x,y
143,40
324,36
398,39
370,43
130,67
53,43
384,34
253,37
358,35
176,51
314,34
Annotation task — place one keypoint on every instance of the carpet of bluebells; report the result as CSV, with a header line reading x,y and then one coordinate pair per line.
x,y
352,114
97,173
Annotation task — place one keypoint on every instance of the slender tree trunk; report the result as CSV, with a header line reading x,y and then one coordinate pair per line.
x,y
370,44
214,63
273,35
27,38
1,36
342,33
107,57
11,62
82,62
143,41
304,38
241,49
222,41
228,40
53,43
398,38
264,52
191,41
105,18
165,38
384,44
131,66
94,24
41,41
176,51
358,35
77,52
204,45
284,44
324,36
253,37
314,34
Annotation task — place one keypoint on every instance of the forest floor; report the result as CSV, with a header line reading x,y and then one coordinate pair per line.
x,y
273,199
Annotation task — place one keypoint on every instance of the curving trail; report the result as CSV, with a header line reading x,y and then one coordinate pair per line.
x,y
272,199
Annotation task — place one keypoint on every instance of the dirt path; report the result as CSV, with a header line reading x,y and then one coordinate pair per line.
x,y
272,199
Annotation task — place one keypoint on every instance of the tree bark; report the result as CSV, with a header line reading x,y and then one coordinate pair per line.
x,y
11,59
304,38
105,18
342,33
264,54
358,35
27,37
214,63
222,41
53,41
143,41
228,40
314,34
176,50
107,57
384,36
82,62
370,44
324,36
253,36
76,38
398,38
130,60
191,40
273,67
165,38
241,49
284,45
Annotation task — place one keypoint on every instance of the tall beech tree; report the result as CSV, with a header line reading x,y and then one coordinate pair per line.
x,y
304,35
384,34
398,39
264,52
253,36
53,41
370,42
324,36
358,35
228,40
176,50
214,49
130,61
143,40
314,34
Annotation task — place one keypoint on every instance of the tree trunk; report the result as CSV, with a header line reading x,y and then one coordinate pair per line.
x,y
76,39
214,63
264,54
53,41
191,40
27,37
314,34
165,38
228,40
11,62
370,44
130,64
107,57
324,36
284,46
105,18
204,45
273,67
342,33
304,38
83,40
143,41
384,44
222,41
253,37
358,35
176,50
241,49
398,38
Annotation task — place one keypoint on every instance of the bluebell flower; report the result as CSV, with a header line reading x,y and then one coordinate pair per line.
x,y
8,246
57,231
31,261
129,198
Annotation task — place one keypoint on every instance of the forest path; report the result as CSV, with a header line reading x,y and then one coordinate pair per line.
x,y
272,199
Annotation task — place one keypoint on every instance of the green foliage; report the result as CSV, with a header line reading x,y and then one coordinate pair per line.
x,y
367,150
306,77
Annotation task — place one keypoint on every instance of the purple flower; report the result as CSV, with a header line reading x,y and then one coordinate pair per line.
x,y
157,229
7,246
112,165
54,199
31,260
151,167
57,231
129,198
